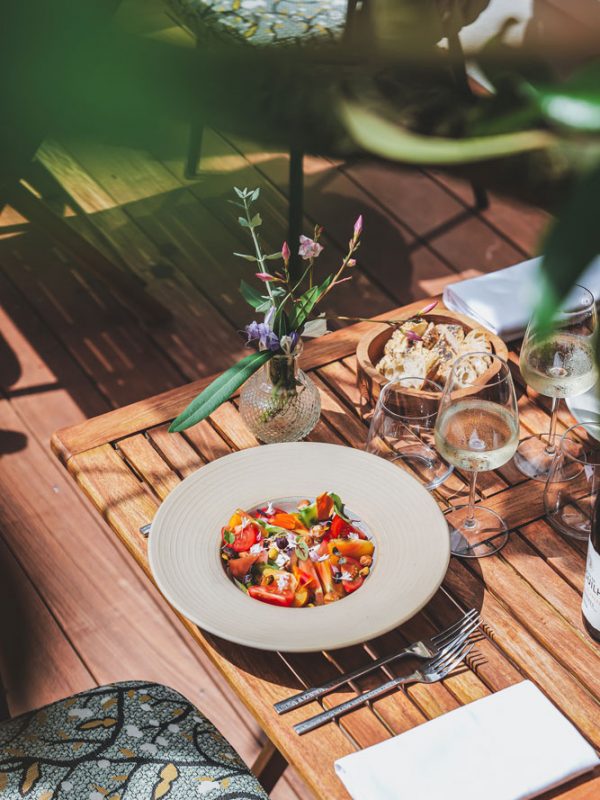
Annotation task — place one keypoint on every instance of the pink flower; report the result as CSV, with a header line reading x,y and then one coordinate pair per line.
x,y
412,336
309,248
285,252
358,226
265,277
351,262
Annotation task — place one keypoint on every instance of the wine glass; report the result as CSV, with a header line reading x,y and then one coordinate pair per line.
x,y
557,364
572,489
477,429
401,429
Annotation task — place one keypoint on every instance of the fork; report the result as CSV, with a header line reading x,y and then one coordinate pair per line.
x,y
426,648
434,670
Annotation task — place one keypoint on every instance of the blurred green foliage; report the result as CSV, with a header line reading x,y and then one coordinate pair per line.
x,y
387,89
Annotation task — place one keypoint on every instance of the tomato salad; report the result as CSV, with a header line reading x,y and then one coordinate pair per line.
x,y
303,558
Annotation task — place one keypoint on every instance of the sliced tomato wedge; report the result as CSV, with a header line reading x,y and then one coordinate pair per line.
x,y
351,568
341,529
239,567
245,537
271,594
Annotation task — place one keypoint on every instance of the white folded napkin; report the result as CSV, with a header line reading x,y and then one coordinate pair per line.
x,y
511,745
503,301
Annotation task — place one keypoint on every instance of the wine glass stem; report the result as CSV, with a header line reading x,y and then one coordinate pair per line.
x,y
551,446
470,520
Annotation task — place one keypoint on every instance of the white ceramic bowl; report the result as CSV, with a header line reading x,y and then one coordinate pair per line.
x,y
411,545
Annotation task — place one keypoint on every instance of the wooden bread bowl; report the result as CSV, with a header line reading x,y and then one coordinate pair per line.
x,y
371,346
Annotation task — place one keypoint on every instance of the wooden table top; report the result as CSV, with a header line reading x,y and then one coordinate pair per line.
x,y
529,594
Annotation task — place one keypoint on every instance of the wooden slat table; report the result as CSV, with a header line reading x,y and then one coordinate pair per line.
x,y
126,462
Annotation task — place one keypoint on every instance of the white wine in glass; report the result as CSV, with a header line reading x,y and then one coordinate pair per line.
x,y
557,364
477,429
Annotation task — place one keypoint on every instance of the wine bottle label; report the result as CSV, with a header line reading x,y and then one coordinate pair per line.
x,y
591,588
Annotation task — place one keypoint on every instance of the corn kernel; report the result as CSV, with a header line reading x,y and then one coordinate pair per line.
x,y
364,572
272,554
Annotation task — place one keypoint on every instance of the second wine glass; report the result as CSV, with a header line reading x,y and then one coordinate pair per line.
x,y
477,429
557,364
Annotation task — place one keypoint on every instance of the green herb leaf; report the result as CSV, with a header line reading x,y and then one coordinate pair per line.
x,y
229,536
243,222
273,257
338,506
246,256
240,585
302,550
253,297
256,221
254,195
239,192
219,390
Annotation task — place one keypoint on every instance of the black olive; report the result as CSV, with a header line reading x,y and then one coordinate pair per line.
x,y
229,551
281,542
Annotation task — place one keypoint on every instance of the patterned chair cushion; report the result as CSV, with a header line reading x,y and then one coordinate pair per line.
x,y
125,741
263,21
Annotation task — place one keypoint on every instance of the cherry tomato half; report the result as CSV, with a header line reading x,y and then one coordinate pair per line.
x,y
245,537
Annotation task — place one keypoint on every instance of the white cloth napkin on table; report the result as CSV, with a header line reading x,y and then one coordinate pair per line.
x,y
511,745
503,301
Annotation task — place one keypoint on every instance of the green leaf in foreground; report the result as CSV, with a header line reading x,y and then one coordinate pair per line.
x,y
251,295
376,133
571,244
219,391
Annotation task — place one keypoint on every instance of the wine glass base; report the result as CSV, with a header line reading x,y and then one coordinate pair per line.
x,y
488,534
532,458
426,465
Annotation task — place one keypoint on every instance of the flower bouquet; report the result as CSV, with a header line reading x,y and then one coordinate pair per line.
x,y
280,403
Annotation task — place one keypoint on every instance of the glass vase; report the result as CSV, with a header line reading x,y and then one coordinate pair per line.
x,y
280,403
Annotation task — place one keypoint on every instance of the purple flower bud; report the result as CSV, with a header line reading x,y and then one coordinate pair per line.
x,y
358,226
427,308
285,252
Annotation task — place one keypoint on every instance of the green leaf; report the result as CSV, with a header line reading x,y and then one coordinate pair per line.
x,y
574,103
571,244
379,135
302,550
254,195
229,537
219,391
243,222
251,295
256,221
246,256
281,322
240,585
273,257
239,192
306,302
338,506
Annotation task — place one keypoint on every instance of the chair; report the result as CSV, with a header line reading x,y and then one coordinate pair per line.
x,y
271,22
123,741
264,22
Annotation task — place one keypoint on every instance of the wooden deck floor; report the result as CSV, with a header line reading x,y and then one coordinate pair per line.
x,y
74,603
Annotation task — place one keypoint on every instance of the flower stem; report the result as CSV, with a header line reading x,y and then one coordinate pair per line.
x,y
259,255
